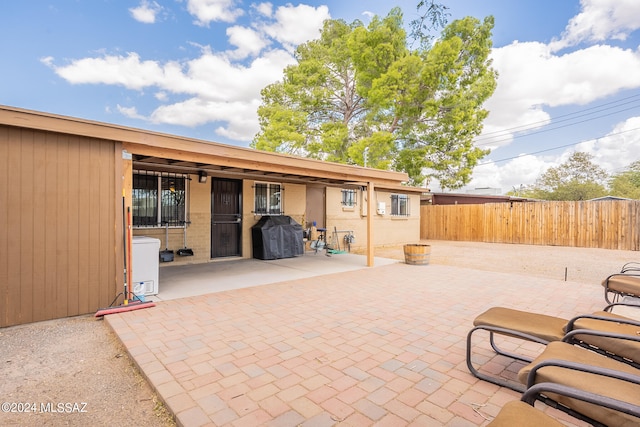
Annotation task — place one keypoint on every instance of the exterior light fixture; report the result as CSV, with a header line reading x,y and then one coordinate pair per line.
x,y
202,178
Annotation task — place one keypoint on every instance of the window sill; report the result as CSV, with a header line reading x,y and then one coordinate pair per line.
x,y
400,217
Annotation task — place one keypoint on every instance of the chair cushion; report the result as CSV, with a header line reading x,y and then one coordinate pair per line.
x,y
624,283
597,384
620,347
518,413
548,328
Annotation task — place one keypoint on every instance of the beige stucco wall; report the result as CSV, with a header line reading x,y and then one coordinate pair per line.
x,y
199,231
248,218
388,230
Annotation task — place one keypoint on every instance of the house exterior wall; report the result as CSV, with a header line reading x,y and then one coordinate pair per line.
x,y
198,231
390,230
60,202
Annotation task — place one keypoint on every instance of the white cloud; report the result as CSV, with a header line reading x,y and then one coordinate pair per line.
x,y
47,60
216,87
146,12
601,20
508,176
368,14
613,152
296,24
532,77
207,11
264,9
128,71
248,42
219,89
241,117
131,112
618,149
245,121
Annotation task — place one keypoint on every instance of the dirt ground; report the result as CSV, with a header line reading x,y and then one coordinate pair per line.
x,y
74,372
585,265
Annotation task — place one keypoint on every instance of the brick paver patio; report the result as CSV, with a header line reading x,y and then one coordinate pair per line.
x,y
378,346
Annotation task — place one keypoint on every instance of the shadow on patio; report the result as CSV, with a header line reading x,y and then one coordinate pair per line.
x,y
178,281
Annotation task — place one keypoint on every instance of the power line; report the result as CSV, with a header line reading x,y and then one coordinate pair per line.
x,y
580,113
553,148
554,128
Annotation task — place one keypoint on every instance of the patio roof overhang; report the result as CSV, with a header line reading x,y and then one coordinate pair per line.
x,y
159,151
260,166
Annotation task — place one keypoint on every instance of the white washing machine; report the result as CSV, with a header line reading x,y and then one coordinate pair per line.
x,y
145,263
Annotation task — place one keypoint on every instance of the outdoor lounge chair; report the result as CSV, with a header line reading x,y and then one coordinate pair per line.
x,y
522,413
614,335
625,283
573,366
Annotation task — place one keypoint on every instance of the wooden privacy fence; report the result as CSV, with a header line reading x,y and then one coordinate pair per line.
x,y
591,224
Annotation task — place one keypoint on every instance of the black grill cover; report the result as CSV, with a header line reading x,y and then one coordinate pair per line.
x,y
277,237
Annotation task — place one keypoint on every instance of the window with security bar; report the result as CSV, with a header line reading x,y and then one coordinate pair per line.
x,y
268,198
348,198
399,205
159,199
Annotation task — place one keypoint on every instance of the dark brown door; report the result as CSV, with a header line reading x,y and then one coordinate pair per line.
x,y
226,218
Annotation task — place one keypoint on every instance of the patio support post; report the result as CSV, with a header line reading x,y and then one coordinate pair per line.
x,y
370,213
127,180
127,212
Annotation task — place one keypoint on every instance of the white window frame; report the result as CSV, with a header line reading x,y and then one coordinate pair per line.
x,y
400,205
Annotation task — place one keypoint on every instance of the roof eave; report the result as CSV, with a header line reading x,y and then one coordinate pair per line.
x,y
147,142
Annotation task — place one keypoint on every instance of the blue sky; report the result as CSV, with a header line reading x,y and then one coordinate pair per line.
x,y
569,71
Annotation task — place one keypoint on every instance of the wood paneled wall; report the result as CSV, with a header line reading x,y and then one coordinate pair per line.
x,y
60,216
613,224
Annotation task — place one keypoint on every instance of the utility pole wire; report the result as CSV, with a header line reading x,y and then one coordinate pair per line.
x,y
552,149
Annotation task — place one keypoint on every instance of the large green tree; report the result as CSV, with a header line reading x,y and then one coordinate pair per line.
x,y
358,89
627,182
576,179
431,16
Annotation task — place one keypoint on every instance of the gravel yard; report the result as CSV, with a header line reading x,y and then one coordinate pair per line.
x,y
586,265
72,372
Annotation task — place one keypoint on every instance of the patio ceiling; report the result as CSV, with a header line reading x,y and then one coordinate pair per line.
x,y
177,154
180,166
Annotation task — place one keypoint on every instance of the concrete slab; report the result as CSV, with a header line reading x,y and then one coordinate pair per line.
x,y
179,281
